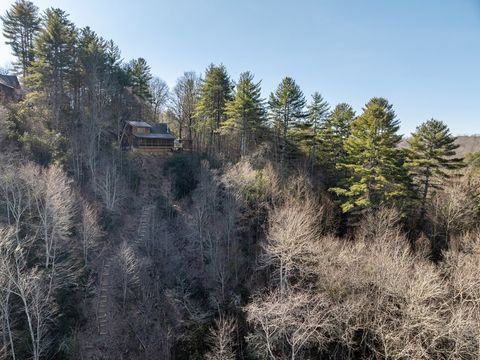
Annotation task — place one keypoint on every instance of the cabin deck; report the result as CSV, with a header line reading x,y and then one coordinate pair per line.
x,y
152,149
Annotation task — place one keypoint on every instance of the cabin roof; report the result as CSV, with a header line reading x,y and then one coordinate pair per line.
x,y
141,124
10,81
161,128
155,136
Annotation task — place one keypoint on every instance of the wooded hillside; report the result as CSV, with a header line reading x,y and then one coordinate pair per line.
x,y
293,229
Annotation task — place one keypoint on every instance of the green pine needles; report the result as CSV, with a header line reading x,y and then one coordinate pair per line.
x,y
373,161
431,158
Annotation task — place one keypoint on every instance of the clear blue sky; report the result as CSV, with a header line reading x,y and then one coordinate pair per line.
x,y
422,55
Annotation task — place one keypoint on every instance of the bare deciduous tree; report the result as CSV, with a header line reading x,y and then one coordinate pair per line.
x,y
221,340
35,293
54,205
202,218
89,228
160,93
183,102
293,320
292,227
8,347
451,211
15,198
128,270
110,186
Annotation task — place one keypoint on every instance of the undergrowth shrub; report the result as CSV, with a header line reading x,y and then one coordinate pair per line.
x,y
254,186
183,170
384,299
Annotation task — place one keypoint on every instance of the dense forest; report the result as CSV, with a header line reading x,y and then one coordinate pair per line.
x,y
293,229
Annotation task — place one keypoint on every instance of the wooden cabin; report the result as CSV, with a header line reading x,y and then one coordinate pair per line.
x,y
9,89
143,137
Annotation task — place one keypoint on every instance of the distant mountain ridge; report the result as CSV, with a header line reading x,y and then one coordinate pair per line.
x,y
467,144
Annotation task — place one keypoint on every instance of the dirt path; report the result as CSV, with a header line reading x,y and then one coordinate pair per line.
x,y
104,306
101,334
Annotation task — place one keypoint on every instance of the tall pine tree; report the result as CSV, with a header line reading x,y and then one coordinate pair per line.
x,y
317,113
287,109
55,59
20,25
373,161
334,132
215,92
431,155
246,112
91,65
139,77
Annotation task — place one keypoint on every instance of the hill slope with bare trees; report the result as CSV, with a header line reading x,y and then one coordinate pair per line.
x,y
279,229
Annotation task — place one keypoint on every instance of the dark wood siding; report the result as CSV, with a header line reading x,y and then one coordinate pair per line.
x,y
139,142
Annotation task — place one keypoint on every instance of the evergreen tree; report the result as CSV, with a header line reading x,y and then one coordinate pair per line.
x,y
246,112
431,154
117,80
215,92
139,77
97,67
287,105
91,64
91,52
95,88
317,112
114,59
55,55
334,132
20,25
373,160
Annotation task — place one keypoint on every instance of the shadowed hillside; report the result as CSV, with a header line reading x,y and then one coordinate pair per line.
x,y
468,144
